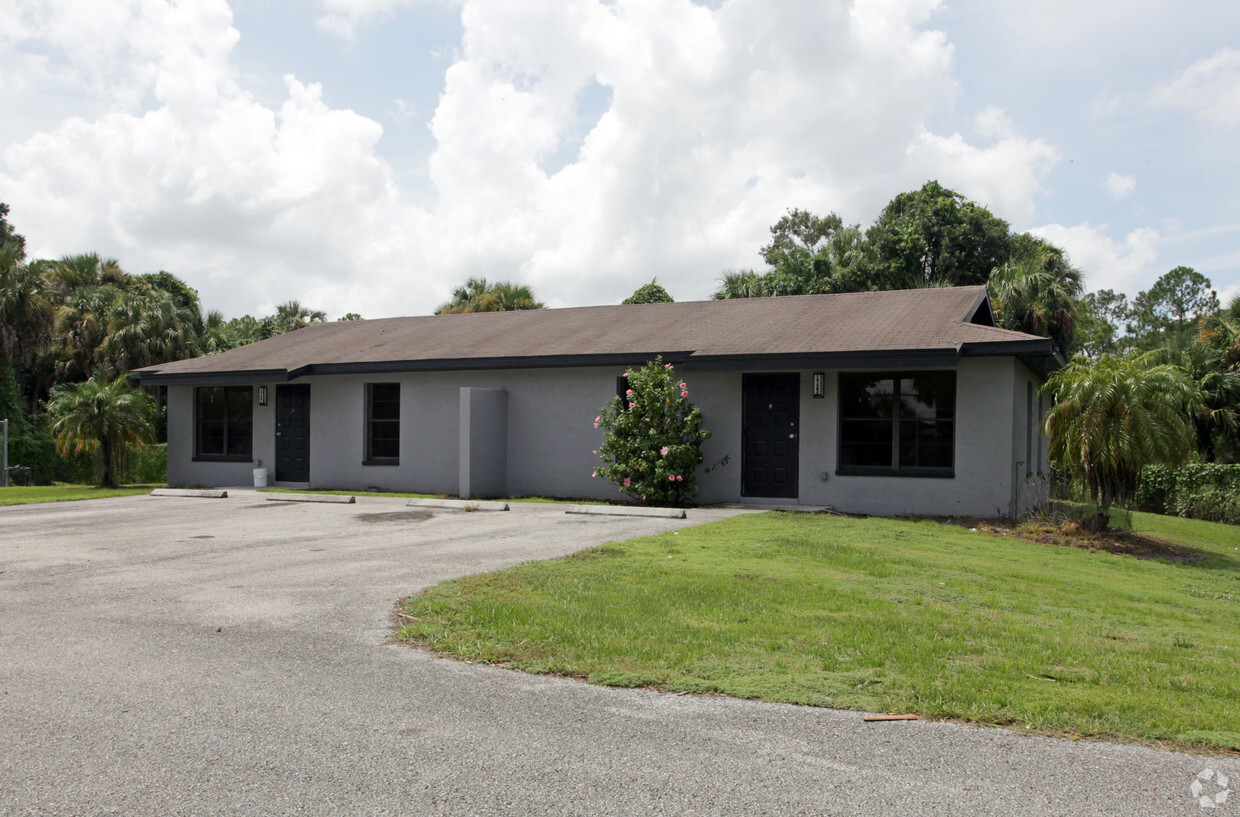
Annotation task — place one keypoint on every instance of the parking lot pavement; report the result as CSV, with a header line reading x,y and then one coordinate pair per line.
x,y
168,656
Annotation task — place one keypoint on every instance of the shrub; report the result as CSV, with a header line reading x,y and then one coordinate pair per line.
x,y
1156,490
654,438
1207,491
146,464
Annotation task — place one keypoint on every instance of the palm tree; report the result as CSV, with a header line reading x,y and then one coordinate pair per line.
x,y
512,297
477,295
291,316
103,416
743,283
84,271
1218,385
148,328
25,313
1114,416
81,328
1037,292
218,335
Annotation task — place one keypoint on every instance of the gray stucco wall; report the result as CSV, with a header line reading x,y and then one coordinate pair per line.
x,y
483,463
183,471
549,438
988,393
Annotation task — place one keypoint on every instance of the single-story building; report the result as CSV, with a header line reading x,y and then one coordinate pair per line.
x,y
908,402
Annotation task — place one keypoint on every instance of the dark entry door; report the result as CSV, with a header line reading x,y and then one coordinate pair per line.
x,y
771,428
293,433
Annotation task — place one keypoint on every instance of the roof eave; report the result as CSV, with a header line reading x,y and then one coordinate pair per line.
x,y
857,359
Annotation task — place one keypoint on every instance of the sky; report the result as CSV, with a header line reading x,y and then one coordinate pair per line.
x,y
369,155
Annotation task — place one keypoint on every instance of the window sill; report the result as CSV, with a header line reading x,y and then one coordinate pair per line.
x,y
909,473
380,462
222,459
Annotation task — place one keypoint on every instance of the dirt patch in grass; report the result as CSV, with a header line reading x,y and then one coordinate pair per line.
x,y
1069,533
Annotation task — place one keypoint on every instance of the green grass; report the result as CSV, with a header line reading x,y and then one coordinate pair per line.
x,y
21,495
880,615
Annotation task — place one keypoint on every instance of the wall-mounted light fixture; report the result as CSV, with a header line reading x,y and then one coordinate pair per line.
x,y
820,385
262,395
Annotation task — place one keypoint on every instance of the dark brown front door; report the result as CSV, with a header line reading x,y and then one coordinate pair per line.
x,y
293,433
771,428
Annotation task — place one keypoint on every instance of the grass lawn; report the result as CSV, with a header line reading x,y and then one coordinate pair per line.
x,y
880,615
21,495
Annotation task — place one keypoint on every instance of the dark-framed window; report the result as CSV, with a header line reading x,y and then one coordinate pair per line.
x,y
382,424
224,423
897,424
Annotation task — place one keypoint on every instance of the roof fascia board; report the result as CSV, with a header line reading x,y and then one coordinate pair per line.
x,y
829,360
211,378
1041,346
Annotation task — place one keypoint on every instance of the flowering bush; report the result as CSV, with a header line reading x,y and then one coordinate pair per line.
x,y
654,438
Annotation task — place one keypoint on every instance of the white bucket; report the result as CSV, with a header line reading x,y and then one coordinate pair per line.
x,y
260,477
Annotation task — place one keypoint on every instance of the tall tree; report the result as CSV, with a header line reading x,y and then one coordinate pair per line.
x,y
1101,316
651,293
936,237
12,245
290,316
102,416
73,273
742,283
1170,309
798,252
145,328
1037,291
1216,418
477,295
1114,416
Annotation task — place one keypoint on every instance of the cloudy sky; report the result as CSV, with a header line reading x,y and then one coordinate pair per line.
x,y
367,155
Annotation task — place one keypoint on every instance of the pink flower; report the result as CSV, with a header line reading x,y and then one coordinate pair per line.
x,y
627,483
679,478
667,366
632,405
596,425
671,478
595,474
628,393
684,394
595,453
663,450
684,385
626,374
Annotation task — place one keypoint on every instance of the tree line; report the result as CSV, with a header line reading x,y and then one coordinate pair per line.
x,y
72,328
69,321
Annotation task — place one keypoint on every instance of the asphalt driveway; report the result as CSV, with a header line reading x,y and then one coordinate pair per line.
x,y
167,656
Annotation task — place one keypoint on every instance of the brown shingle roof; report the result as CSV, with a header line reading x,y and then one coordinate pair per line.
x,y
697,332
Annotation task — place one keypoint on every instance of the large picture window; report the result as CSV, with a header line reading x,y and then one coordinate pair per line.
x,y
224,423
382,423
901,424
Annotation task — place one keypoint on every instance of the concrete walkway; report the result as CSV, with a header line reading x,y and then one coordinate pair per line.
x,y
169,656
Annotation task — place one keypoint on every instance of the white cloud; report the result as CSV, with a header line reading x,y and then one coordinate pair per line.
x,y
1006,176
1209,88
342,17
1119,185
1126,266
713,122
